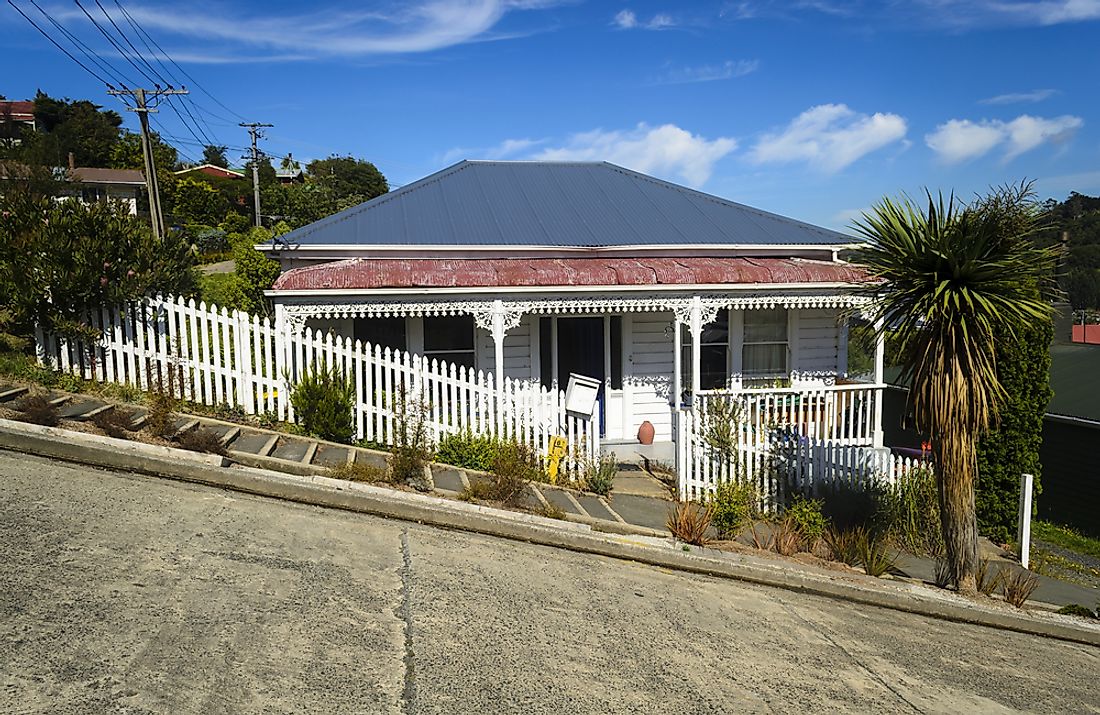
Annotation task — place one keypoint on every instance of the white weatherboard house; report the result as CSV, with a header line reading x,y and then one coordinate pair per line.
x,y
537,270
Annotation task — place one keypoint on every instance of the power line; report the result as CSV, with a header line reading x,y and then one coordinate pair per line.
x,y
117,46
55,44
194,82
131,44
87,51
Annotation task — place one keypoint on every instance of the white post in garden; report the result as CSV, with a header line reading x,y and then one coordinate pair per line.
x,y
880,351
1024,532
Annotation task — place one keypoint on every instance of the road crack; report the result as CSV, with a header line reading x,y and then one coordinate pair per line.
x,y
408,692
824,633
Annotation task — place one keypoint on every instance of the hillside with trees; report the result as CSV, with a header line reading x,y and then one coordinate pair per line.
x,y
213,215
1075,224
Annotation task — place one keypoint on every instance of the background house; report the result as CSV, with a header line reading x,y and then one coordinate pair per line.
x,y
15,118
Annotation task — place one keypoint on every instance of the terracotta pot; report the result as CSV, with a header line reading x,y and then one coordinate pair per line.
x,y
646,432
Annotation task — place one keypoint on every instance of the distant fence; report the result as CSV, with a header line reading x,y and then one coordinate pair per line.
x,y
219,357
779,457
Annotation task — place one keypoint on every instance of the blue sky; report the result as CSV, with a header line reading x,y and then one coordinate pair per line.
x,y
813,109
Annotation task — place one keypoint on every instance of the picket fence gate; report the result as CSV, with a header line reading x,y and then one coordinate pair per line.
x,y
780,458
212,356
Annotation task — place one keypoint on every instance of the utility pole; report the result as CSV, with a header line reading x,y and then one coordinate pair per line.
x,y
142,97
255,133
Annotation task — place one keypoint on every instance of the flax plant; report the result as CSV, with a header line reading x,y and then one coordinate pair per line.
x,y
951,278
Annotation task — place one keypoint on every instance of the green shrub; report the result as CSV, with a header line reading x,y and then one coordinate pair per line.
x,y
599,474
322,401
159,420
733,505
1011,448
848,507
467,450
412,450
807,518
874,554
514,465
845,544
1076,609
909,513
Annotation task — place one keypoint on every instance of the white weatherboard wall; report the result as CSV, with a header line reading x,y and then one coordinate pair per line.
x,y
647,379
817,341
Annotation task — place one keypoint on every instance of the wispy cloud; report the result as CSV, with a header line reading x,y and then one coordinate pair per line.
x,y
1035,95
507,149
830,137
628,20
322,32
959,140
666,150
708,73
950,14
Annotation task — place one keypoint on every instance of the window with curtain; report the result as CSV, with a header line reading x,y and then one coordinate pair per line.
x,y
714,348
450,338
764,348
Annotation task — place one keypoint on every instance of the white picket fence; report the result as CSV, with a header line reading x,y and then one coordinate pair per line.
x,y
779,457
217,357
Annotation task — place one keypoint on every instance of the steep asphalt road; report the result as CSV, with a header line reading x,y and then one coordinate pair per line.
x,y
129,594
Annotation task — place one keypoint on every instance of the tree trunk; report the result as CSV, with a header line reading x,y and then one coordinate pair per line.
x,y
958,466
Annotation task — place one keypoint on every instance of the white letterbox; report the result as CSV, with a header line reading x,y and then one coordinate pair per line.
x,y
580,394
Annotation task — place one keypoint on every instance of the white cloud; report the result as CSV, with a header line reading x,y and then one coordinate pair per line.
x,y
628,20
1035,95
1048,12
709,73
829,136
420,26
962,139
665,150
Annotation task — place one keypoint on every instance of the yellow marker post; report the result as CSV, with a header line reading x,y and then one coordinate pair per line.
x,y
555,450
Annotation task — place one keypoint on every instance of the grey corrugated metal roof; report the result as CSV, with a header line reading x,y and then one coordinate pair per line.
x,y
532,203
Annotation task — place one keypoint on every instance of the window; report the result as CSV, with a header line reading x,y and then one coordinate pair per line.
x,y
450,338
713,354
387,332
764,348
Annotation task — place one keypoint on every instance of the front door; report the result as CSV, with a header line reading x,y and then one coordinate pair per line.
x,y
581,350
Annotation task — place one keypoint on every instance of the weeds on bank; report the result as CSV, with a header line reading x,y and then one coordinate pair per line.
x,y
360,472
1018,586
114,422
36,408
201,439
690,522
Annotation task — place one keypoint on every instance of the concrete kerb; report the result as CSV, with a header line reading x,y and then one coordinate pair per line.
x,y
437,511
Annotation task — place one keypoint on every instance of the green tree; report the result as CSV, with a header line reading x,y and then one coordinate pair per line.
x,y
1022,357
254,273
347,176
79,127
64,259
215,154
953,280
127,153
188,201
